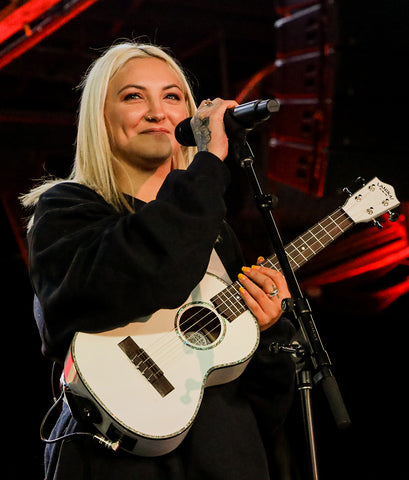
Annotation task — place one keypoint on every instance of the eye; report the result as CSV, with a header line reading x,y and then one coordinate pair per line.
x,y
173,96
132,96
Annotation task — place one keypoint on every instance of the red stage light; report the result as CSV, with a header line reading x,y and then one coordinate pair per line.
x,y
20,20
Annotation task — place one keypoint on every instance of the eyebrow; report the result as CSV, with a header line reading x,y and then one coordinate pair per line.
x,y
141,87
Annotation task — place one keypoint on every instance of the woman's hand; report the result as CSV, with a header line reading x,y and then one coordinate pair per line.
x,y
263,290
208,126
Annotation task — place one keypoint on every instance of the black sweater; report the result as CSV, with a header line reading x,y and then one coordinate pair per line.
x,y
95,269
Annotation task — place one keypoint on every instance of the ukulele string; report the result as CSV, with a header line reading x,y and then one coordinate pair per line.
x,y
164,350
167,348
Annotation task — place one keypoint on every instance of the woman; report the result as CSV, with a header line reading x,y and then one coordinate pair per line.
x,y
134,230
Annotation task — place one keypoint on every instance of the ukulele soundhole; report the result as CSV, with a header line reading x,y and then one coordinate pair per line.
x,y
199,326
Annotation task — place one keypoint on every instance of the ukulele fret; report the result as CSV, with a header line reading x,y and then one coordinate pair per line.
x,y
229,302
304,247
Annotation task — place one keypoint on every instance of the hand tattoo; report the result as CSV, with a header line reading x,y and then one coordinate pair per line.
x,y
202,133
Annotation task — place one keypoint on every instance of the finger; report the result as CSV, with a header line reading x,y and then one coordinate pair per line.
x,y
266,312
254,306
208,105
208,126
268,279
262,278
260,260
260,296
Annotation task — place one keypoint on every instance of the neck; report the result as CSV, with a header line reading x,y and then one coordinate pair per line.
x,y
143,184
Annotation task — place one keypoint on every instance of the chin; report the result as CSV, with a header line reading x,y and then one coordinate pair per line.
x,y
154,148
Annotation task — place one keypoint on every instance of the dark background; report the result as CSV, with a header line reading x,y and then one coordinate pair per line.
x,y
339,72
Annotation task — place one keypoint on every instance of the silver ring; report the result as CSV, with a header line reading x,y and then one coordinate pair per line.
x,y
207,102
273,293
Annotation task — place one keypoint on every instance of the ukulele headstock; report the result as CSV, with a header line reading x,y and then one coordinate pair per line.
x,y
373,199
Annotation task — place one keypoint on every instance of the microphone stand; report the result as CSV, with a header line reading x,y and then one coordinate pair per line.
x,y
317,365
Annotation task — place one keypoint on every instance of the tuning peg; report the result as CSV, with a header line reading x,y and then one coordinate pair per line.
x,y
377,224
360,181
347,191
393,216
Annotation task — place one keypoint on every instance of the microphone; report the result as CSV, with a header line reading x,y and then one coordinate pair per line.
x,y
243,117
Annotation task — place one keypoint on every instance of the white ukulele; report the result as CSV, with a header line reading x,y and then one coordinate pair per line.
x,y
142,384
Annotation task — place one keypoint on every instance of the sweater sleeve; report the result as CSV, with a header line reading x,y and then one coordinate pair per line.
x,y
94,269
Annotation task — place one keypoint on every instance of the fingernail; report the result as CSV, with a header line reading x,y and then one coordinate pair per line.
x,y
241,276
241,290
255,267
245,269
260,259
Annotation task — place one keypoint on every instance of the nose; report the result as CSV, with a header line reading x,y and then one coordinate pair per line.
x,y
155,112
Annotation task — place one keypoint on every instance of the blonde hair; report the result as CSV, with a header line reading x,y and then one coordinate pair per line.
x,y
93,165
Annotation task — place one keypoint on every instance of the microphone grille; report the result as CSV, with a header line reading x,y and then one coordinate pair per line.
x,y
184,134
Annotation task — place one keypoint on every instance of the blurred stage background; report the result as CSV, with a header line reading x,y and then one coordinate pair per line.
x,y
338,69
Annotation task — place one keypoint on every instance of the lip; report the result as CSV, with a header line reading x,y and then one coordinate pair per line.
x,y
156,130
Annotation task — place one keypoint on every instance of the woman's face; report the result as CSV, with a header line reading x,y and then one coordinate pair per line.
x,y
144,104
